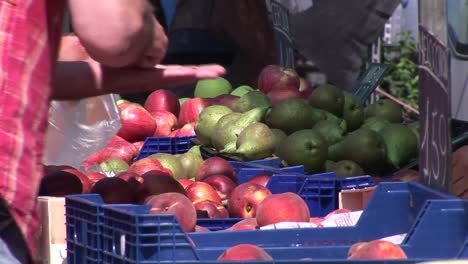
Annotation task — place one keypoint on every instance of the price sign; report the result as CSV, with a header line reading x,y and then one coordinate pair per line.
x,y
284,46
368,82
434,101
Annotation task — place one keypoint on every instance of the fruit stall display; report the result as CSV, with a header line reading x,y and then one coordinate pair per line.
x,y
279,153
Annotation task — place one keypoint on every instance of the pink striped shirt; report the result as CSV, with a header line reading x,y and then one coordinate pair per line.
x,y
29,37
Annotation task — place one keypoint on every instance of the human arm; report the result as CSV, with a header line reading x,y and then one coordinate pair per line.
x,y
118,33
81,79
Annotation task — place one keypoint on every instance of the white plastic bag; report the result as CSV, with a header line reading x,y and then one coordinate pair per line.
x,y
77,129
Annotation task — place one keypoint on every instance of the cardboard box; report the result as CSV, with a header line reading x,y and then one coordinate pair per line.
x,y
355,199
53,245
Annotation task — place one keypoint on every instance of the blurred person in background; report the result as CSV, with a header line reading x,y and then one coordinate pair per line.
x,y
125,44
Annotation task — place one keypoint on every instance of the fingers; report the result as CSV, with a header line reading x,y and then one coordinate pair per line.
x,y
176,75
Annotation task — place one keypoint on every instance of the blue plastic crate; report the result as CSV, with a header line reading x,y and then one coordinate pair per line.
x,y
356,182
437,229
84,228
217,224
170,145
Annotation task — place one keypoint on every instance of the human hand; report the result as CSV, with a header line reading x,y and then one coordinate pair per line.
x,y
168,76
156,50
70,49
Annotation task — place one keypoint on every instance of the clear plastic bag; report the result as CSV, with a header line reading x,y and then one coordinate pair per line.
x,y
77,129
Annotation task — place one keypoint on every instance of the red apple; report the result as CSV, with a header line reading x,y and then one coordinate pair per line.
x,y
132,178
95,177
154,183
185,182
199,191
282,207
138,145
187,130
222,184
163,100
174,133
116,148
275,77
114,191
215,166
191,109
166,122
245,199
378,249
316,220
201,229
87,184
177,204
279,94
147,164
227,100
245,224
305,88
354,247
261,179
337,211
214,210
137,123
60,183
244,252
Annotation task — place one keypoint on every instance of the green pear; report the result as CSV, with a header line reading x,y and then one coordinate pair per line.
x,y
210,88
353,111
255,142
190,163
207,120
251,100
329,98
401,144
114,165
241,90
386,109
171,163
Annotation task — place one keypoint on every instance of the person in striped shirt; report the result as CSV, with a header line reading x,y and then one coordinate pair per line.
x,y
125,44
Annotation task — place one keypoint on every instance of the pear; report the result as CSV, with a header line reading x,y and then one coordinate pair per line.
x,y
256,142
190,163
346,168
241,90
279,136
386,109
375,123
251,100
353,111
329,98
228,133
363,146
332,131
113,165
401,143
171,163
207,120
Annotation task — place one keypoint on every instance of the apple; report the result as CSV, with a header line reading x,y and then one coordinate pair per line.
x,y
316,220
185,182
174,133
187,130
261,179
177,204
85,181
199,191
215,166
227,100
214,210
222,184
154,183
60,183
132,178
136,123
337,211
244,252
138,145
275,77
147,164
95,177
201,229
245,199
277,95
163,100
117,147
54,168
191,109
114,190
282,207
245,224
378,249
354,247
166,122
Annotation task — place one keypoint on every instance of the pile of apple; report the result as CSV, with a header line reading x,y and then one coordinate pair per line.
x,y
376,249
